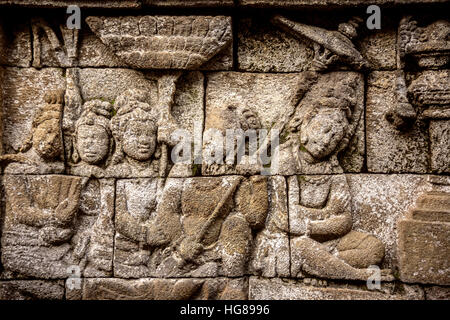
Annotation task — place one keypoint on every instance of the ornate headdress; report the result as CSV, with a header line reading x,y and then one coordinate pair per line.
x,y
133,104
95,112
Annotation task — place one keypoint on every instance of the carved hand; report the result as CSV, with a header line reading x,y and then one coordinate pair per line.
x,y
189,249
54,235
68,208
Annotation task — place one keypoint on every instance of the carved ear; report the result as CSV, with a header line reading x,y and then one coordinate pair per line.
x,y
75,156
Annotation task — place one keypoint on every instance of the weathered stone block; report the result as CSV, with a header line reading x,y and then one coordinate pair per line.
x,y
423,241
327,3
352,217
283,102
164,42
65,3
31,290
195,227
56,226
263,47
437,293
84,48
24,90
104,98
188,3
163,289
283,289
15,42
390,150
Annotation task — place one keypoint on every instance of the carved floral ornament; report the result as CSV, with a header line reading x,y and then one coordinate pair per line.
x,y
94,186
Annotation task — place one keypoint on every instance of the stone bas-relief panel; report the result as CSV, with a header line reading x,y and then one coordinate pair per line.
x,y
118,122
58,225
161,289
423,235
296,105
263,47
200,227
389,150
349,221
99,43
25,93
90,130
31,290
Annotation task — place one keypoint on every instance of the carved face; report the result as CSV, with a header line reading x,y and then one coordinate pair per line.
x,y
47,140
92,143
321,135
139,140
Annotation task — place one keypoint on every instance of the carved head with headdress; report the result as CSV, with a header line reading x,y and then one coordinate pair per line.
x,y
327,122
46,135
134,126
93,133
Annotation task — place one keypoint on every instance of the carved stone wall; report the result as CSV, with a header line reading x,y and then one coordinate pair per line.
x,y
225,150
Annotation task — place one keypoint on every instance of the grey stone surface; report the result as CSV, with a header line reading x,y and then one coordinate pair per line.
x,y
197,227
118,179
164,42
422,239
89,50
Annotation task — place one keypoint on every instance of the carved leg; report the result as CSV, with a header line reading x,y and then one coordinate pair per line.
x,y
314,258
360,249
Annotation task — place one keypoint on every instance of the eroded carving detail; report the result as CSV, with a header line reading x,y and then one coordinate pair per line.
x,y
55,222
163,42
42,151
199,227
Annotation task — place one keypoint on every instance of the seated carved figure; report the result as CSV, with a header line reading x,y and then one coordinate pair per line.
x,y
43,151
135,128
321,209
194,229
93,139
39,224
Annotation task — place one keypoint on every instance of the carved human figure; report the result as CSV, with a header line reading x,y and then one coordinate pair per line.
x,y
239,130
93,139
135,128
320,205
39,224
192,230
321,127
43,150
